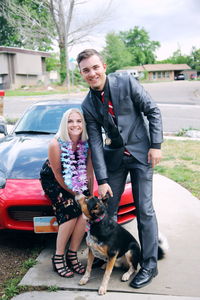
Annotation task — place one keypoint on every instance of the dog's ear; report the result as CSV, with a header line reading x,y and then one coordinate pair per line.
x,y
80,198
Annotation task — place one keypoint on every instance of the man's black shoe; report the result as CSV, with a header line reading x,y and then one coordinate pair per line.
x,y
143,277
97,263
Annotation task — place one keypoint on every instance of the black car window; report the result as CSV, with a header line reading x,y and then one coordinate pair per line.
x,y
43,118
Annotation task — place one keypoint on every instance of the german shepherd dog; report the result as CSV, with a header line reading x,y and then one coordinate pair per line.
x,y
107,240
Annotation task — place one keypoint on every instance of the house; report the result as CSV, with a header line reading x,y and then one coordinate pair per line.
x,y
20,67
166,71
163,72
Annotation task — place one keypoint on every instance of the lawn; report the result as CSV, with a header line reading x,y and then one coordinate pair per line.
x,y
181,163
37,91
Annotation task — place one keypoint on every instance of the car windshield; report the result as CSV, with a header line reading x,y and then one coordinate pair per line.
x,y
42,118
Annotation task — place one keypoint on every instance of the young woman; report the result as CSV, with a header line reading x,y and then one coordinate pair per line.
x,y
67,172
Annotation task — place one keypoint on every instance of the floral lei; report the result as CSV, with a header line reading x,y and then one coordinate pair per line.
x,y
74,171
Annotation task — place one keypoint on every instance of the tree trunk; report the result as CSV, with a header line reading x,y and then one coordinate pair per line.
x,y
62,63
67,68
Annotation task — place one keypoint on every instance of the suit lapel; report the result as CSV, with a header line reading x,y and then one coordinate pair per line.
x,y
114,92
97,105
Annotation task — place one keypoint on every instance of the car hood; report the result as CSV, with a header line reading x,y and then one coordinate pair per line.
x,y
22,156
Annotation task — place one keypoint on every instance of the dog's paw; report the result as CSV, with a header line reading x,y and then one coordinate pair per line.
x,y
125,276
83,280
102,290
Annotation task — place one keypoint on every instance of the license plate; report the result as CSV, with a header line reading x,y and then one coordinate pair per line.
x,y
45,224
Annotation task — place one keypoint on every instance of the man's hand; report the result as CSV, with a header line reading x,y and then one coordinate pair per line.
x,y
154,156
103,189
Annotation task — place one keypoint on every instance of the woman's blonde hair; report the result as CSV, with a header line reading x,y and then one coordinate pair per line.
x,y
63,130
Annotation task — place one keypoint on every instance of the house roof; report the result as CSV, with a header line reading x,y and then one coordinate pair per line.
x,y
14,50
138,68
161,67
166,67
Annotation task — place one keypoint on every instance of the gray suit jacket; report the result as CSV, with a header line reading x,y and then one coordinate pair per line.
x,y
131,103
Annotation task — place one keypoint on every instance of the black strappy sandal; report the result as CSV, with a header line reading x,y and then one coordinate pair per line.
x,y
77,267
63,271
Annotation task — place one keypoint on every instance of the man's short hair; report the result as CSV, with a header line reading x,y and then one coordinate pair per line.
x,y
88,53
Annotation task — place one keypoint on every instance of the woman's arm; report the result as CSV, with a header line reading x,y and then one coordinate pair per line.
x,y
90,173
55,163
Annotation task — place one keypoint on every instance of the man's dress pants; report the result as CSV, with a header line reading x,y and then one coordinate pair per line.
x,y
141,179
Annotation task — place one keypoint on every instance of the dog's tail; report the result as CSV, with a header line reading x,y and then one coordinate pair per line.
x,y
163,246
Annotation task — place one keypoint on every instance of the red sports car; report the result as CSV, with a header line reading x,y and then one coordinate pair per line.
x,y
22,154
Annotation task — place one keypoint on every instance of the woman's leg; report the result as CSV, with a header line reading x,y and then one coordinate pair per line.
x,y
78,233
76,238
65,230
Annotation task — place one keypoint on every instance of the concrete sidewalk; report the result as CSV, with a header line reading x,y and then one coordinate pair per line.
x,y
179,273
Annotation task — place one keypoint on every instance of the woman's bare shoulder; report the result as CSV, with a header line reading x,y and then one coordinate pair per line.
x,y
54,144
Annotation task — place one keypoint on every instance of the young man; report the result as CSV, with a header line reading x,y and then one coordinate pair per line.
x,y
120,105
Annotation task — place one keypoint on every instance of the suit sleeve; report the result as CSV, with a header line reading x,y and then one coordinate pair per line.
x,y
145,104
96,145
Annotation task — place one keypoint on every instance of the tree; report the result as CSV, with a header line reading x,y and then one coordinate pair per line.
x,y
140,46
28,22
115,52
39,22
195,59
178,58
8,34
69,33
52,63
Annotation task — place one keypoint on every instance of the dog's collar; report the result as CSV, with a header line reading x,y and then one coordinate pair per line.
x,y
89,222
97,219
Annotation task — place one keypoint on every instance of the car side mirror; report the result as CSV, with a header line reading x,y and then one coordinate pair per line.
x,y
2,183
2,179
3,128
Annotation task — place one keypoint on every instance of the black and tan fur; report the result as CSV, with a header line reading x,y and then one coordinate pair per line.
x,y
108,240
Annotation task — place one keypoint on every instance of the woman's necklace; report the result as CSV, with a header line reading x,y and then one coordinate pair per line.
x,y
74,171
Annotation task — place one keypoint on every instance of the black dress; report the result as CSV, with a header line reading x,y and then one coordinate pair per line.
x,y
64,205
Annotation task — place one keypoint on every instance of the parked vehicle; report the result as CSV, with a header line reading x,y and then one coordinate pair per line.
x,y
180,77
193,76
132,72
22,153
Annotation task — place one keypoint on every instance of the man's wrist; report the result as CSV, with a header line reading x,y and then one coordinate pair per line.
x,y
102,181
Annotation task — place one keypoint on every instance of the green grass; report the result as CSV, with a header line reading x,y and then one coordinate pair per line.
x,y
53,288
37,91
11,287
181,163
29,263
32,93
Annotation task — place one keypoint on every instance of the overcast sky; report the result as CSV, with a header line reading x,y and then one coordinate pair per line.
x,y
174,23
